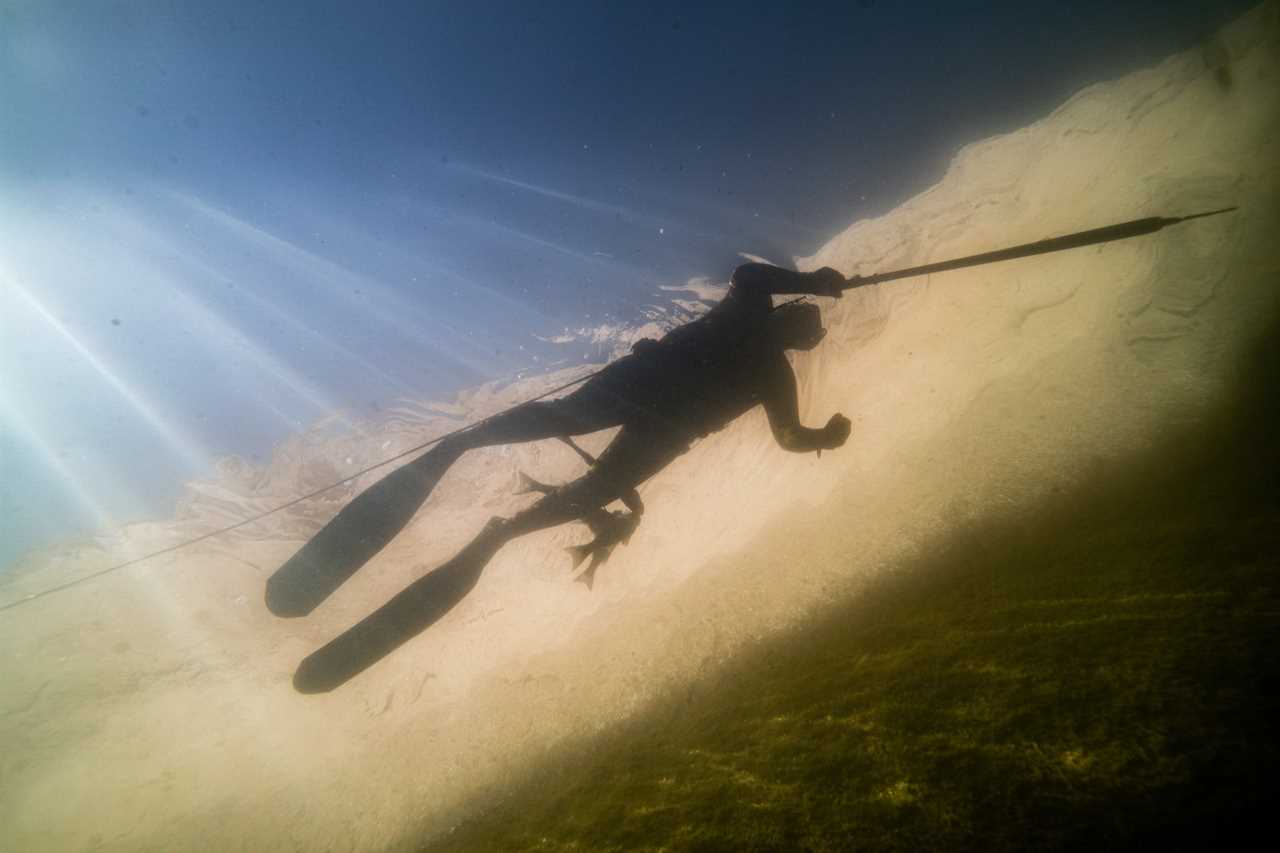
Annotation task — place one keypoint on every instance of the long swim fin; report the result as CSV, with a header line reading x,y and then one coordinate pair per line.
x,y
355,534
416,608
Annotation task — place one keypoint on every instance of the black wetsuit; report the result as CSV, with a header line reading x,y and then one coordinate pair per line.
x,y
670,392
664,395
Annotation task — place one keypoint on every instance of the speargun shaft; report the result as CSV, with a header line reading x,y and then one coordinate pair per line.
x,y
1123,230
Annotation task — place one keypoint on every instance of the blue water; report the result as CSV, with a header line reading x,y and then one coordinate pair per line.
x,y
219,224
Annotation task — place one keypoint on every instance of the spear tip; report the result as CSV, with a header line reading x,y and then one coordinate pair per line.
x,y
1206,213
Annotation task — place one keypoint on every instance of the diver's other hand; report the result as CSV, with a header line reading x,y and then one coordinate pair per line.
x,y
829,282
836,432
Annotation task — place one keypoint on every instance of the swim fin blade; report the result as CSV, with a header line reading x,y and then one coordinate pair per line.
x,y
416,608
359,531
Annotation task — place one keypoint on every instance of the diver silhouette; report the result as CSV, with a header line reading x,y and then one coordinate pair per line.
x,y
665,395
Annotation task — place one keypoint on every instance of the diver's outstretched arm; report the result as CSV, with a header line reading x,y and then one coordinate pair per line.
x,y
781,404
768,280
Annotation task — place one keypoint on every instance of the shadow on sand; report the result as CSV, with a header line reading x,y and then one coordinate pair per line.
x,y
1100,671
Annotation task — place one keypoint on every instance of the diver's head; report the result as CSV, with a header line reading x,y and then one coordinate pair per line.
x,y
796,326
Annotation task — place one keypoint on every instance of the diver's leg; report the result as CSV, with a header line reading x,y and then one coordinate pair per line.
x,y
631,458
601,402
635,455
373,518
419,606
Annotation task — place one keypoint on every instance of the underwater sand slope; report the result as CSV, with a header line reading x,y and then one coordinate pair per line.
x,y
152,709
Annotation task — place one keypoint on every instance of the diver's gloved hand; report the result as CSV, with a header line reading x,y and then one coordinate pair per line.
x,y
828,282
836,432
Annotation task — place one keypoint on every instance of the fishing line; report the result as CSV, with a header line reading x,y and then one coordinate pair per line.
x,y
219,532
1123,230
188,543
